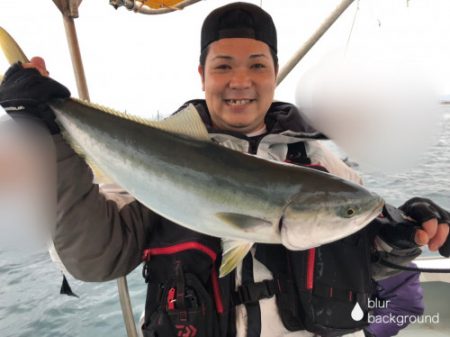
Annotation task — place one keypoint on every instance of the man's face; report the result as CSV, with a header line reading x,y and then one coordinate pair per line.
x,y
239,80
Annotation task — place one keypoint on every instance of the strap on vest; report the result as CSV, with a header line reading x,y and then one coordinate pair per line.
x,y
253,309
254,292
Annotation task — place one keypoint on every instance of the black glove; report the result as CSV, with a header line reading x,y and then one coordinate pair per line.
x,y
396,229
421,210
24,93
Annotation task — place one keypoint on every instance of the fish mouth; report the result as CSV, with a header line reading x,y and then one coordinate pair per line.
x,y
280,224
239,101
377,210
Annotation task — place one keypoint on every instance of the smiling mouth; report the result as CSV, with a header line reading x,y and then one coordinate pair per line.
x,y
237,102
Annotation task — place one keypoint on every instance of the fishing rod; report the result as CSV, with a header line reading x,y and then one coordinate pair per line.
x,y
406,268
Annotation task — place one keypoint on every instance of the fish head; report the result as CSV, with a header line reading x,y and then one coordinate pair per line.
x,y
312,219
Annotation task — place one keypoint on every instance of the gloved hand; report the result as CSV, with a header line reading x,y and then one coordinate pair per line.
x,y
435,224
24,93
396,229
418,222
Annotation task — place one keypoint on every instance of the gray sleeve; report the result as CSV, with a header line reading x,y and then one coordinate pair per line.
x,y
98,236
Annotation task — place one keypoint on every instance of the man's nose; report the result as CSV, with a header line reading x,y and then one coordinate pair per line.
x,y
240,80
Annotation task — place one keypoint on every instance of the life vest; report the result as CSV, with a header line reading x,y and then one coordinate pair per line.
x,y
316,290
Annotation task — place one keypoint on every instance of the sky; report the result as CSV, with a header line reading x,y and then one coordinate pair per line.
x,y
148,64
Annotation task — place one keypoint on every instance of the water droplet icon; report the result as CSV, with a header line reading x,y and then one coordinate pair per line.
x,y
357,313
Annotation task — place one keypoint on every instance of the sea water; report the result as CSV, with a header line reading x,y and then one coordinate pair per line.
x,y
30,303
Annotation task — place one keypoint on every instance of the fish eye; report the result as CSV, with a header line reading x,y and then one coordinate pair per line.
x,y
350,212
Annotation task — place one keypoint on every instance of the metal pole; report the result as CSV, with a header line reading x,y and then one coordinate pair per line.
x,y
75,55
313,39
127,309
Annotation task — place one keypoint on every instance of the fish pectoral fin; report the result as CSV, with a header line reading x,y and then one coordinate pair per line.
x,y
234,252
186,122
245,222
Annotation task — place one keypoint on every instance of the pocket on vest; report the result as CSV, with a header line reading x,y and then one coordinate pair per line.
x,y
182,295
334,285
193,316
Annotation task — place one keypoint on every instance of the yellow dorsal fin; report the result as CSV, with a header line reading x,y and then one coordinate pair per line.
x,y
186,122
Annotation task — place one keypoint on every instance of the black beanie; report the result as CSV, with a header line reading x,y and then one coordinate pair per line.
x,y
239,19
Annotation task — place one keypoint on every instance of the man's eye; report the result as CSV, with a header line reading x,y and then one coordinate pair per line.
x,y
258,66
223,67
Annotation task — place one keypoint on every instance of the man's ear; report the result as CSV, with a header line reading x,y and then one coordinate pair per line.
x,y
201,71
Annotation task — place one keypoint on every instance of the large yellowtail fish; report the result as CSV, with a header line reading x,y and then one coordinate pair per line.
x,y
172,167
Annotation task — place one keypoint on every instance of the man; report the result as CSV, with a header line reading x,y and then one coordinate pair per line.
x,y
102,235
